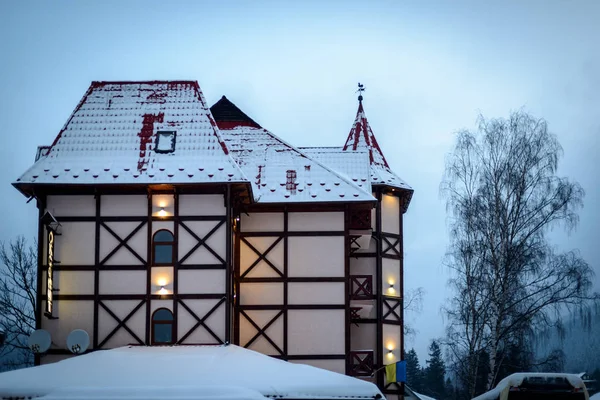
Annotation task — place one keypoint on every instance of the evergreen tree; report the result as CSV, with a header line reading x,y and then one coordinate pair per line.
x,y
434,384
414,377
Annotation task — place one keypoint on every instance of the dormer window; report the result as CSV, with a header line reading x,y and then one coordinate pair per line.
x,y
165,141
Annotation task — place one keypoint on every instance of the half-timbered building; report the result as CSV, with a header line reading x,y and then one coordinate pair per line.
x,y
164,221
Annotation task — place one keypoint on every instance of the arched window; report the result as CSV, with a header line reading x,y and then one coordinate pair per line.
x,y
162,327
163,244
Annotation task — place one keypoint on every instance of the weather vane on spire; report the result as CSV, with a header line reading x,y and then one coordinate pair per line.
x,y
361,88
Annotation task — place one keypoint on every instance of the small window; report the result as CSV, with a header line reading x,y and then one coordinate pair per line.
x,y
165,141
162,326
290,181
162,248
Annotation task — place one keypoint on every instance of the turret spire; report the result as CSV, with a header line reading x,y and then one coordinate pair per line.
x,y
361,88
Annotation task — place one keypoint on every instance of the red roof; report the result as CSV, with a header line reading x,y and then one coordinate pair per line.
x,y
111,137
361,137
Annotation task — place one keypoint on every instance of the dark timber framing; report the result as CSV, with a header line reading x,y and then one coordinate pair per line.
x,y
389,309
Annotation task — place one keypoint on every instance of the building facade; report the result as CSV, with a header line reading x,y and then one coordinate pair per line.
x,y
166,222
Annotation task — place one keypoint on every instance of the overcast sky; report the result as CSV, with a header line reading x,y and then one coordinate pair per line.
x,y
429,69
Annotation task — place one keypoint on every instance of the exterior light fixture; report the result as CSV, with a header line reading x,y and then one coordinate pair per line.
x,y
162,212
163,291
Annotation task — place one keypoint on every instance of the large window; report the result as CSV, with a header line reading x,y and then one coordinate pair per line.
x,y
162,327
163,245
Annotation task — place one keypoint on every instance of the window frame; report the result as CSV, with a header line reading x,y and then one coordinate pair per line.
x,y
174,141
154,322
173,243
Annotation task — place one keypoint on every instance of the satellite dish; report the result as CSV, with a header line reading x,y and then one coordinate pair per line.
x,y
78,341
39,341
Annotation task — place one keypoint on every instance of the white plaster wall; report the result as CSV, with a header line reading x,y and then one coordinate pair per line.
x,y
216,321
158,225
265,222
72,314
123,256
316,332
316,221
124,205
72,282
390,214
193,204
156,304
249,256
262,318
202,281
121,308
122,282
391,275
391,340
316,256
338,366
163,201
259,293
364,337
71,206
316,293
76,244
201,255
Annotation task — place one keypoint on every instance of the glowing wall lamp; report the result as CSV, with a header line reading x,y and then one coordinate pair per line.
x,y
391,290
162,212
390,352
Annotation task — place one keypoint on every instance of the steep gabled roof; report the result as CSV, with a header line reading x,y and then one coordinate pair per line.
x,y
279,172
361,138
111,139
228,115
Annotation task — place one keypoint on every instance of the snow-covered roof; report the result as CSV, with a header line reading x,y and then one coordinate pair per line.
x,y
502,388
278,171
354,165
190,372
361,138
111,138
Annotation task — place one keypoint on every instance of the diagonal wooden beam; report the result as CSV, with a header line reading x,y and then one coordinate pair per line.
x,y
121,323
263,334
263,330
202,241
262,256
123,242
391,246
201,321
391,310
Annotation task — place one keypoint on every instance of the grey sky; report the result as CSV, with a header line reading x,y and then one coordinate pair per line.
x,y
429,69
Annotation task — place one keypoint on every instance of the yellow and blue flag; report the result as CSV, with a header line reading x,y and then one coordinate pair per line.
x,y
396,372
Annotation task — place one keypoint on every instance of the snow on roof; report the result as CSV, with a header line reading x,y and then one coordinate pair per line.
x,y
189,372
354,165
502,388
278,171
361,137
281,173
112,134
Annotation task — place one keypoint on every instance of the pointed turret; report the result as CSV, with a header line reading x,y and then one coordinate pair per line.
x,y
361,138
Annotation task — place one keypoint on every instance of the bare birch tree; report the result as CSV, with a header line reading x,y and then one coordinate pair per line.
x,y
503,195
18,277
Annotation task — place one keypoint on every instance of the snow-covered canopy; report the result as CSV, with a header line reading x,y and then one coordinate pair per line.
x,y
501,390
181,372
